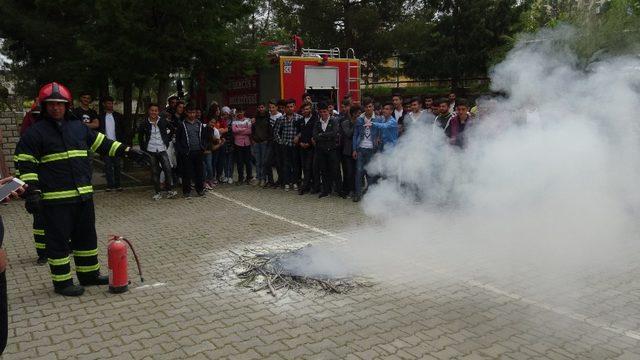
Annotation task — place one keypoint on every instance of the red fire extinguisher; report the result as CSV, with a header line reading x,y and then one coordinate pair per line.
x,y
117,254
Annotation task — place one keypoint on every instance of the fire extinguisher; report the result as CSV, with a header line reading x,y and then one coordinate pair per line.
x,y
117,255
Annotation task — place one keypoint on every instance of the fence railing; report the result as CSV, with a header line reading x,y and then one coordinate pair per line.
x,y
440,83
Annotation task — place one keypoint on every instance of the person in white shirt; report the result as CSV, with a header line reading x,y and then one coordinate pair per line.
x,y
417,115
112,125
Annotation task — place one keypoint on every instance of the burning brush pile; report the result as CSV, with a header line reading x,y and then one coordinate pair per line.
x,y
299,269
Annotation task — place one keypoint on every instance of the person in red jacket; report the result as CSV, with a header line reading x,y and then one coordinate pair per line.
x,y
30,117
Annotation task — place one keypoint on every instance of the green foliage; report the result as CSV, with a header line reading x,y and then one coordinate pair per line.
x,y
86,43
458,38
603,27
364,25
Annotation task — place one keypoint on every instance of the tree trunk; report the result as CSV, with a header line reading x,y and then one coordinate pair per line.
x,y
127,97
103,92
163,91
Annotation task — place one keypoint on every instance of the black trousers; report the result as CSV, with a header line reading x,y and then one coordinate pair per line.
x,y
38,235
348,173
326,164
4,309
192,167
270,163
242,155
75,222
306,163
290,165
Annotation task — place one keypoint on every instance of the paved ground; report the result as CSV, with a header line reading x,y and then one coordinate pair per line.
x,y
184,311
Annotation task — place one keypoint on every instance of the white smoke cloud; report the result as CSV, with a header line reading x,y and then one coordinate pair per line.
x,y
548,179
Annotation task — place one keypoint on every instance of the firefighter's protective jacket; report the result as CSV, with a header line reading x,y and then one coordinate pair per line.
x,y
54,157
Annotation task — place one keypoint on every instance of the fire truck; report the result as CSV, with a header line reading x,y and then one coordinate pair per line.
x,y
326,75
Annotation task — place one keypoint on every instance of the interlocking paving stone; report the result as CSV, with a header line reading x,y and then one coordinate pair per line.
x,y
187,312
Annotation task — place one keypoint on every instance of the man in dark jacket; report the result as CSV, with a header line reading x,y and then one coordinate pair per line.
x,y
325,136
113,127
154,136
261,134
305,126
398,110
347,126
191,140
53,159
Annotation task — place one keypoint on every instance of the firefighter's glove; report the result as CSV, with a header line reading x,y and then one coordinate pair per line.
x,y
140,157
32,201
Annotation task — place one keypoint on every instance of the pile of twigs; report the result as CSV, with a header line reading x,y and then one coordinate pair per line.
x,y
268,271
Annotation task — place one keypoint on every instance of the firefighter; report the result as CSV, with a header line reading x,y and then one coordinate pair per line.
x,y
38,223
53,159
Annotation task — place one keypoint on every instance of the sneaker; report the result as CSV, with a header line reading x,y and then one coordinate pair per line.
x,y
295,186
108,189
324,194
119,189
230,181
187,196
286,187
157,196
171,194
207,186
201,193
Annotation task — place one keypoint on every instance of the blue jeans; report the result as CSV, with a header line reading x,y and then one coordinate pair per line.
x,y
364,156
208,167
260,153
112,171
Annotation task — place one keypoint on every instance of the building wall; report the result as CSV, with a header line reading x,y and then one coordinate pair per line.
x,y
9,125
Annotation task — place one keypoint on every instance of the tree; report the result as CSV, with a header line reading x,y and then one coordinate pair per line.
x,y
363,25
603,27
88,44
460,38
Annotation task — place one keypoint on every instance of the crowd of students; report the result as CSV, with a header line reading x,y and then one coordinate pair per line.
x,y
310,148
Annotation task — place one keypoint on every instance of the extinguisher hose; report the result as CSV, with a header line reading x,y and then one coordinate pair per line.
x,y
136,257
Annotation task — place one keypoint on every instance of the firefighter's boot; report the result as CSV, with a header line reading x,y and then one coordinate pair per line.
x,y
70,290
98,280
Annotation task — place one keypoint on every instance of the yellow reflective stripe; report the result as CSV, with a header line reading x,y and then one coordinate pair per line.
x,y
17,171
41,246
29,177
97,142
38,232
58,262
67,194
25,157
88,268
64,155
85,190
114,148
82,253
61,277
60,195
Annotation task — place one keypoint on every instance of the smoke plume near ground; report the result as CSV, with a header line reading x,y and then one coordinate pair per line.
x,y
548,181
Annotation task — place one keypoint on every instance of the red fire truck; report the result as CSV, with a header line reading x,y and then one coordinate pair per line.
x,y
326,75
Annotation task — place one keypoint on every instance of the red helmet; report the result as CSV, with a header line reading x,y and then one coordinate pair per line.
x,y
54,92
